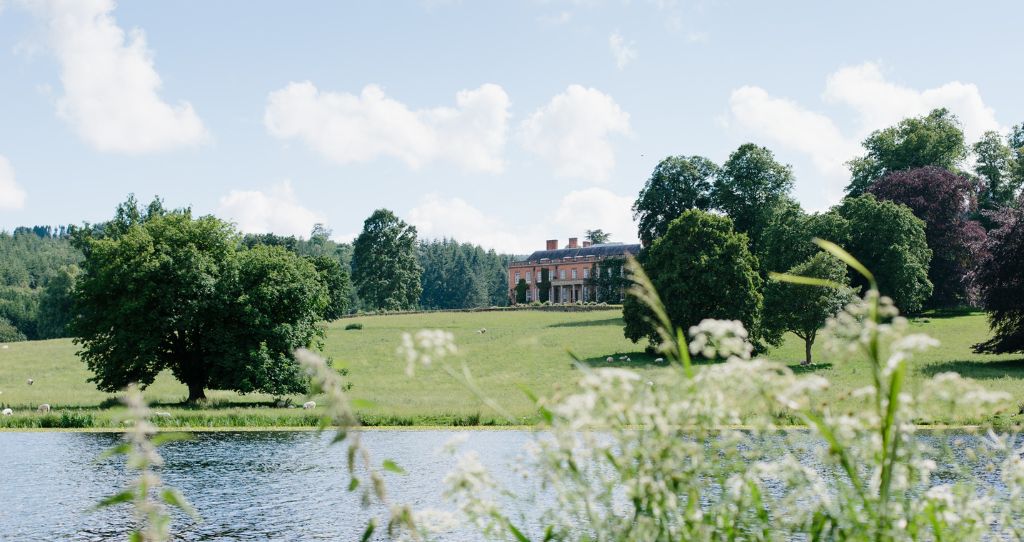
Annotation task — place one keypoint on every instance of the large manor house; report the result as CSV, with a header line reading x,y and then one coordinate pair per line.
x,y
569,270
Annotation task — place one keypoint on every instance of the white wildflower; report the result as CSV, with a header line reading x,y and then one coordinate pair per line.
x,y
425,346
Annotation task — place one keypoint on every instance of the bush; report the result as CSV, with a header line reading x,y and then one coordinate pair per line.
x,y
353,325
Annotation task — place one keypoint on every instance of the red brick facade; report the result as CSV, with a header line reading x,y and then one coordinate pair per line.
x,y
569,270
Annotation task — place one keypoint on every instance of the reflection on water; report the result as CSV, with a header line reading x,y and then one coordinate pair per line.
x,y
246,486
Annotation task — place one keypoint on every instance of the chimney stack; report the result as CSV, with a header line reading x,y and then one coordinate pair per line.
x,y
573,242
552,244
586,244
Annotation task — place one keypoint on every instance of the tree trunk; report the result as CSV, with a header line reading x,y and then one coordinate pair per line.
x,y
807,349
196,392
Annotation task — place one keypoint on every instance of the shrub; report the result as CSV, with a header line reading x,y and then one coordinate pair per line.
x,y
353,325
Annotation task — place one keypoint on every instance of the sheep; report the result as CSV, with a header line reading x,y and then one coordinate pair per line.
x,y
163,414
609,359
44,408
482,330
659,360
309,405
623,358
30,382
8,412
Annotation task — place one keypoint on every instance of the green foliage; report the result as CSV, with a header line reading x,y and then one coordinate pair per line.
x,y
749,187
993,161
803,309
544,286
521,288
787,239
888,239
385,269
461,276
174,292
702,269
9,333
56,304
932,140
353,326
608,280
336,279
597,237
20,307
677,183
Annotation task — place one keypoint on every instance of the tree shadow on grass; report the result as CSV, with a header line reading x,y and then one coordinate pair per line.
x,y
799,369
617,321
211,404
981,370
939,314
634,360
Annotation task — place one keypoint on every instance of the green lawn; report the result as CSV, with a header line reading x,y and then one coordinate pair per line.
x,y
520,349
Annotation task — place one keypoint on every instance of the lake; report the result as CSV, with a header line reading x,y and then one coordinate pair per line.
x,y
246,486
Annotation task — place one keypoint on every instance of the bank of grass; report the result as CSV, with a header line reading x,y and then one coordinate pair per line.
x,y
519,350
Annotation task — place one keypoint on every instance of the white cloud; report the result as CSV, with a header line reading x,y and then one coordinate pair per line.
x,y
347,128
880,103
572,132
276,211
793,127
11,195
110,84
623,52
874,102
578,211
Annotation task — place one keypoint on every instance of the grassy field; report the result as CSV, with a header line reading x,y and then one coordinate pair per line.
x,y
526,349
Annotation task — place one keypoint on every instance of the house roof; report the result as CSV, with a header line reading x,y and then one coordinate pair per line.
x,y
601,251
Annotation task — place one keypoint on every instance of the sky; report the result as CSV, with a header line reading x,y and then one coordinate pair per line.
x,y
498,123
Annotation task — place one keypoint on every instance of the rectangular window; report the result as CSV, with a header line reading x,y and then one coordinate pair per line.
x,y
529,276
561,274
529,297
517,278
573,274
586,273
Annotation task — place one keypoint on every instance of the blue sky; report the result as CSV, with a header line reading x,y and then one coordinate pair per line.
x,y
500,123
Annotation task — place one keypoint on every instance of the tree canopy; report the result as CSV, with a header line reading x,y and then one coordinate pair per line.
x,y
677,183
385,270
597,237
701,268
749,186
461,276
935,139
1000,280
181,293
943,201
803,309
890,241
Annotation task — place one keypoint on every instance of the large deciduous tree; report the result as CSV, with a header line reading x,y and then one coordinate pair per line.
x,y
993,161
385,269
339,287
749,187
170,291
677,183
890,241
943,201
935,139
803,309
597,237
1000,280
701,269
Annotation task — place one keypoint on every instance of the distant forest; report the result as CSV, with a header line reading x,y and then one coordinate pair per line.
x,y
38,267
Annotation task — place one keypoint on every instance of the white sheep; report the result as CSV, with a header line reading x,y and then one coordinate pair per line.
x,y
623,358
44,408
163,414
30,382
659,360
8,412
309,405
609,359
482,330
